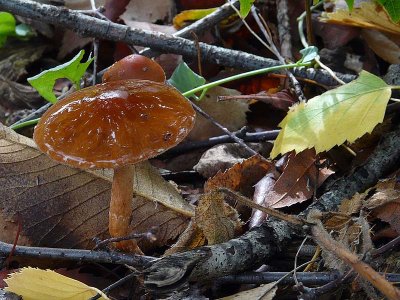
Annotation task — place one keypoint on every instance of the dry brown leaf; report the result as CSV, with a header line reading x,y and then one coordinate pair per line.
x,y
59,206
385,203
263,292
216,219
231,114
383,46
191,238
367,15
297,181
240,177
149,11
71,41
224,156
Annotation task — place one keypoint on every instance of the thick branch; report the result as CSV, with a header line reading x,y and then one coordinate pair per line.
x,y
90,26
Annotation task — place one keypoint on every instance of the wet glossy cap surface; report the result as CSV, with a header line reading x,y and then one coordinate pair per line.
x,y
114,124
135,67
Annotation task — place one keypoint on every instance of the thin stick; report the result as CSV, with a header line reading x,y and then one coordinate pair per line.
x,y
364,270
137,261
270,211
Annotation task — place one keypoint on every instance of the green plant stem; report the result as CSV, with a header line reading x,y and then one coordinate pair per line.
x,y
243,75
25,124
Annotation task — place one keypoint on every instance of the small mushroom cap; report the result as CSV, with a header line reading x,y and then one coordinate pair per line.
x,y
114,124
135,66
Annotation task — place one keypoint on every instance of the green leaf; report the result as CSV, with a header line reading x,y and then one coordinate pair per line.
x,y
184,79
73,70
350,4
393,9
245,7
7,26
309,54
344,113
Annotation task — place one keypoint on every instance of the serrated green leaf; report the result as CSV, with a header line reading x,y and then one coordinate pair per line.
x,y
7,26
73,70
309,54
344,113
350,4
393,9
245,7
184,79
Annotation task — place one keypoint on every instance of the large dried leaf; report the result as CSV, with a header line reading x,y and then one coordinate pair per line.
x,y
297,181
385,203
241,176
191,238
60,206
367,15
384,45
216,219
344,113
230,114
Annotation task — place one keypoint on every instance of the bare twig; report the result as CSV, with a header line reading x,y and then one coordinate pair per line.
x,y
90,26
263,27
363,269
284,29
247,137
270,211
138,261
230,134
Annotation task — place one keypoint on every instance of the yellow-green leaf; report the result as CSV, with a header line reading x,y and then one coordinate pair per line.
x,y
36,284
191,15
344,113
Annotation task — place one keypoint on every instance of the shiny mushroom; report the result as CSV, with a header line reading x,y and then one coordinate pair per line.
x,y
115,125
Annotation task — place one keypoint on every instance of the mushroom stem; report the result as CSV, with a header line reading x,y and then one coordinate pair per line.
x,y
121,207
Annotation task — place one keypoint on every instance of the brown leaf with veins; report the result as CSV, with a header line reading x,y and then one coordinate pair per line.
x,y
191,238
297,181
240,177
59,206
216,219
385,203
294,185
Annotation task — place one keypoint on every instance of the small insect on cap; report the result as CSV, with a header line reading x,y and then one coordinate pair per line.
x,y
114,124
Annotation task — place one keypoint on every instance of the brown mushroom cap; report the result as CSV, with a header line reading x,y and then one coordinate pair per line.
x,y
135,66
114,124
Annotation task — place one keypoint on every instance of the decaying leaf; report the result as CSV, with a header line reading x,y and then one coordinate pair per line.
x,y
263,292
59,206
385,46
36,284
241,176
230,114
149,11
385,203
344,113
297,181
216,219
367,15
191,238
